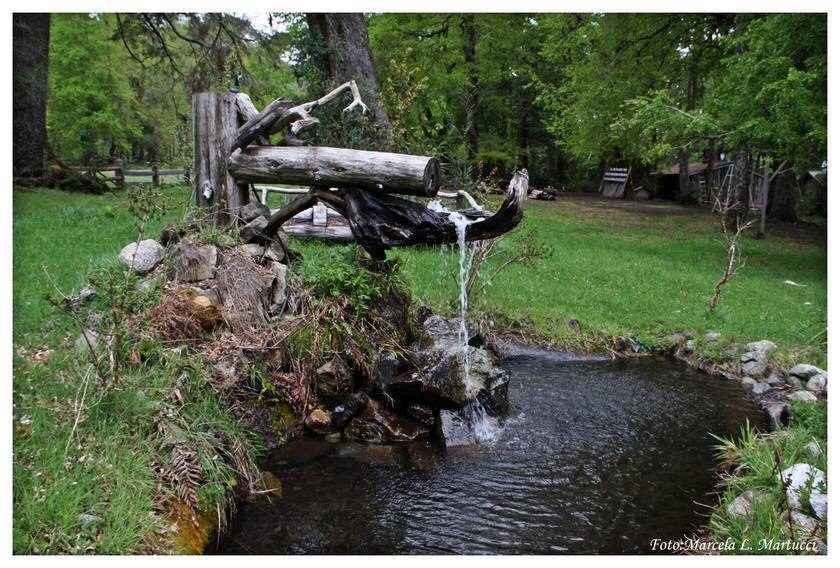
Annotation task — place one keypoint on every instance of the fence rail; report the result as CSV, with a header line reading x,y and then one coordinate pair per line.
x,y
154,173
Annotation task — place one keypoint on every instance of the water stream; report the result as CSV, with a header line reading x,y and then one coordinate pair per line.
x,y
596,457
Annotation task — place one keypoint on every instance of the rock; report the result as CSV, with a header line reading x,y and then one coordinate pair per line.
x,y
353,405
252,210
812,448
386,367
85,345
819,504
142,256
194,263
818,383
748,383
804,371
333,438
760,388
439,379
253,250
753,364
253,230
802,395
800,479
689,346
275,252
794,382
424,413
334,382
319,422
278,288
87,519
272,483
805,526
775,380
150,284
712,336
743,504
764,347
780,414
454,430
376,425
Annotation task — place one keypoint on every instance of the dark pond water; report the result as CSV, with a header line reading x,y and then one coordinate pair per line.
x,y
596,457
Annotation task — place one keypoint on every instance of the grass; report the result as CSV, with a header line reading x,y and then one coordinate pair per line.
x,y
87,452
94,456
643,275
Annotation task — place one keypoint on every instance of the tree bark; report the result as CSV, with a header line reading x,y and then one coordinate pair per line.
x,y
347,56
337,167
470,40
30,70
685,179
786,197
215,123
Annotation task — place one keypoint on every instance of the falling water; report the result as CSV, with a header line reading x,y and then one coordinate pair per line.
x,y
464,263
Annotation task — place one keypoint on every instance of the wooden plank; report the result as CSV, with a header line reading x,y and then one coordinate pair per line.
x,y
381,172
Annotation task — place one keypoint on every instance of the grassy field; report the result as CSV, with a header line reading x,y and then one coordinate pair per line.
x,y
85,451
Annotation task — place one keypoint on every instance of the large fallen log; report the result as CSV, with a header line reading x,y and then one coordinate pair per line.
x,y
379,222
337,167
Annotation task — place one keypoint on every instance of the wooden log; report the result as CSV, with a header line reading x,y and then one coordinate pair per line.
x,y
334,233
381,172
248,113
215,123
264,123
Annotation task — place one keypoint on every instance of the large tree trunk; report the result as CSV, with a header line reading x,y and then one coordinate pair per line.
x,y
785,198
382,172
30,67
470,40
346,56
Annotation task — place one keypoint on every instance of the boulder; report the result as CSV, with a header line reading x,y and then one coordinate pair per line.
x,y
334,381
748,383
818,384
775,380
275,252
812,448
779,413
253,230
753,363
253,250
802,479
252,210
194,263
319,421
803,396
376,425
278,288
345,412
819,504
759,389
453,429
805,526
764,347
423,413
142,256
743,504
804,371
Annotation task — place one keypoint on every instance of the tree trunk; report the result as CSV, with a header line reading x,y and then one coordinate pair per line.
x,y
685,179
739,198
215,123
470,40
346,56
711,164
381,172
786,197
30,69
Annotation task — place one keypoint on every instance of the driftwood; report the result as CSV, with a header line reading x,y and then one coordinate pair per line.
x,y
337,167
379,222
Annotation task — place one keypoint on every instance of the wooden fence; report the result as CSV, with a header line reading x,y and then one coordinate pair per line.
x,y
154,174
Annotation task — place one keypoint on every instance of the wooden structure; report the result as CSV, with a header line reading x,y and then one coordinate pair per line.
x,y
355,183
614,182
120,173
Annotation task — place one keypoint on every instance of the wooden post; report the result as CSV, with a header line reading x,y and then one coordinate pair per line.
x,y
155,175
215,122
119,174
187,180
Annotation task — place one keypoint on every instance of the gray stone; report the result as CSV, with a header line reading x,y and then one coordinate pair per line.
x,y
142,256
803,396
764,347
753,364
794,382
334,382
275,252
812,448
779,413
818,383
454,430
805,526
253,229
802,478
253,250
748,383
278,288
804,371
85,345
760,388
252,210
377,425
194,263
712,336
743,504
775,380
150,284
819,504
689,346
87,519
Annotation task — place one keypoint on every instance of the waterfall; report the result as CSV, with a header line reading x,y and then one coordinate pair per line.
x,y
464,263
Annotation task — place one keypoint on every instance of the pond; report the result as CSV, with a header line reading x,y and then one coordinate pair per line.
x,y
595,457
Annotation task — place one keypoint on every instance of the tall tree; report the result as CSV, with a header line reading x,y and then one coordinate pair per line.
x,y
344,54
30,69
